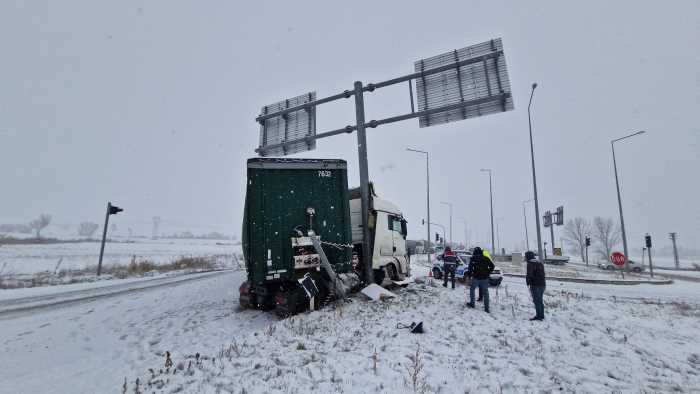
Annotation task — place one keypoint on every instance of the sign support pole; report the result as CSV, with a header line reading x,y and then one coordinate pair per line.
x,y
364,181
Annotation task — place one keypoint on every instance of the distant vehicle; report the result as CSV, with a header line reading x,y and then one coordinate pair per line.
x,y
464,254
631,264
557,260
495,278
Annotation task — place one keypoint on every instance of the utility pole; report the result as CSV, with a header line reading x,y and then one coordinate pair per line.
x,y
427,198
493,244
449,204
675,249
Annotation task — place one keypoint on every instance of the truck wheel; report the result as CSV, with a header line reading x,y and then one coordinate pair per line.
x,y
437,274
391,272
246,299
379,276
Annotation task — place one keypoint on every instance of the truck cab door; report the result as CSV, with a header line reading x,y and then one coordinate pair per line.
x,y
398,233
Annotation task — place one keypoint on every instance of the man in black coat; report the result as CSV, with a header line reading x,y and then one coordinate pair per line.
x,y
535,280
479,270
449,265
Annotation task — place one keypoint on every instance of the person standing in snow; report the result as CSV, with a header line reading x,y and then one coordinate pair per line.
x,y
449,265
536,282
479,269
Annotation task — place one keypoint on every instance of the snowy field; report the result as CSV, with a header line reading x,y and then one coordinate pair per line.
x,y
31,259
597,338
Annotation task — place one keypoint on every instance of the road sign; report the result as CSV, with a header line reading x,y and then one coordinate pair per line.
x,y
618,259
290,126
460,84
560,216
484,82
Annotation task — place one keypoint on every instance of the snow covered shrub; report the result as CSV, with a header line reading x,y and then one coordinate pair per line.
x,y
415,370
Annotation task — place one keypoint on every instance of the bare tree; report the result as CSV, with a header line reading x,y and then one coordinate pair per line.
x,y
40,223
87,229
607,233
575,232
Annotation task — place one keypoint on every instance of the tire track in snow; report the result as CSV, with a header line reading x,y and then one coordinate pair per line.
x,y
20,307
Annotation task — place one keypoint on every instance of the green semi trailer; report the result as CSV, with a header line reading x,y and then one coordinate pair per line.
x,y
301,240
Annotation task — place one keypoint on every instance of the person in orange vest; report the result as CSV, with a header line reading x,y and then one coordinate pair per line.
x,y
449,265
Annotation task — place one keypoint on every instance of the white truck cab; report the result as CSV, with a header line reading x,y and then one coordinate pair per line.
x,y
388,230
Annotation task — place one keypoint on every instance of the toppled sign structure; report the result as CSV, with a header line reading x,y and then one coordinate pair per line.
x,y
456,85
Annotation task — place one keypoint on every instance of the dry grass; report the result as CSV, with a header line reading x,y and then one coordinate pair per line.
x,y
135,268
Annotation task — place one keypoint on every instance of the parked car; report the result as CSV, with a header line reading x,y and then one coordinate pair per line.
x,y
631,264
495,278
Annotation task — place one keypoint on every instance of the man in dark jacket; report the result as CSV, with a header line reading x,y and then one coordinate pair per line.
x,y
449,265
479,270
535,280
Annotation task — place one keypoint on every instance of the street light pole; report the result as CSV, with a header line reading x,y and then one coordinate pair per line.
x,y
619,199
534,178
493,250
427,188
527,240
450,205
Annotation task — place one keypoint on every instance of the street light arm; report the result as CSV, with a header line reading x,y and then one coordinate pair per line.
x,y
416,150
628,136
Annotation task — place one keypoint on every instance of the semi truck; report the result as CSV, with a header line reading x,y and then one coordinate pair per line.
x,y
302,235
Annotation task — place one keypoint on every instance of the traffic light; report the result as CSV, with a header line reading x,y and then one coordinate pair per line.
x,y
588,240
547,218
647,240
113,209
437,237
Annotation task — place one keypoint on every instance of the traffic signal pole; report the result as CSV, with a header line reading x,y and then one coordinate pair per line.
x,y
111,210
104,237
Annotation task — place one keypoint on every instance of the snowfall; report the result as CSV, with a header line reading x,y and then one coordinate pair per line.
x,y
187,334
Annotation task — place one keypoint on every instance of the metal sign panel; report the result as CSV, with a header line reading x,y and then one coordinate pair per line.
x,y
295,125
560,216
484,82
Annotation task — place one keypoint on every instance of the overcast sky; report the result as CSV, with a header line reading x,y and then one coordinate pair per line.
x,y
151,104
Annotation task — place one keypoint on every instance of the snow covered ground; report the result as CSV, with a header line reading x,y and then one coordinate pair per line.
x,y
29,259
597,338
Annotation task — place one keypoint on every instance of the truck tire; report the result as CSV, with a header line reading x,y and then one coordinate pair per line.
x,y
392,272
437,274
379,276
246,299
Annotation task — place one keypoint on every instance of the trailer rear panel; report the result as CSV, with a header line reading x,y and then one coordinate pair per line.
x,y
278,195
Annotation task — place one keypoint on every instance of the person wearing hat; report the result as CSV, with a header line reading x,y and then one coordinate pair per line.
x,y
480,268
449,265
535,280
